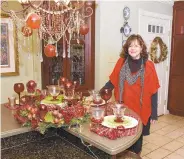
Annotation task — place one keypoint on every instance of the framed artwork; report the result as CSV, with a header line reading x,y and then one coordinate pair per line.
x,y
9,58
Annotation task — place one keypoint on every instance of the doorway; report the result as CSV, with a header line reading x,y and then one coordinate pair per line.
x,y
152,25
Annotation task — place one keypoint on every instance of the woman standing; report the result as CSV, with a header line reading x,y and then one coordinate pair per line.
x,y
135,84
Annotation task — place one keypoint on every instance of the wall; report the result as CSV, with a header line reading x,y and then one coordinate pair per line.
x,y
29,68
109,20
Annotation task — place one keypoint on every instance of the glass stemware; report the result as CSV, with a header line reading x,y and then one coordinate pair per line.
x,y
61,82
97,115
106,94
54,91
119,110
18,88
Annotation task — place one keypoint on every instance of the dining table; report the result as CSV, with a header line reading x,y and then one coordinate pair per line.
x,y
111,147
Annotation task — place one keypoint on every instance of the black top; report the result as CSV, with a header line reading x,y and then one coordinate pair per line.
x,y
134,67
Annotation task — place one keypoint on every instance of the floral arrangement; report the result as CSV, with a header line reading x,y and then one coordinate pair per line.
x,y
33,113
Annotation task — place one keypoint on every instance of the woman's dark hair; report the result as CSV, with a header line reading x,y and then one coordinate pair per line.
x,y
124,52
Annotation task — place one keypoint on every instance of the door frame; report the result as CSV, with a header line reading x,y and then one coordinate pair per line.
x,y
164,17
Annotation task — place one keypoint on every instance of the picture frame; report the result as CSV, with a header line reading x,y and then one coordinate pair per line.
x,y
9,58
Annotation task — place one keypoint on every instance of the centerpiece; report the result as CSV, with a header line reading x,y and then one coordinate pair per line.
x,y
40,110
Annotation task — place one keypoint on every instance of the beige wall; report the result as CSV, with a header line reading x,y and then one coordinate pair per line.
x,y
108,39
29,68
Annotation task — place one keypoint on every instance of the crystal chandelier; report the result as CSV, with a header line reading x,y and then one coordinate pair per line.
x,y
53,19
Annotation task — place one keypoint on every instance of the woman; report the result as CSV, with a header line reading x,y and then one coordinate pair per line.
x,y
135,83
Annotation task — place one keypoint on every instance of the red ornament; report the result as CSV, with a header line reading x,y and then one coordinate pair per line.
x,y
50,50
27,31
84,29
31,86
33,21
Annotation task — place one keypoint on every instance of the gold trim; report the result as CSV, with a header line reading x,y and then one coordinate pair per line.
x,y
153,50
15,50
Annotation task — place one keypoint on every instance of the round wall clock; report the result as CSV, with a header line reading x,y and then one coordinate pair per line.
x,y
126,13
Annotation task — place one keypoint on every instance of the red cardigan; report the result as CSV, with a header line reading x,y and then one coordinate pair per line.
x,y
131,93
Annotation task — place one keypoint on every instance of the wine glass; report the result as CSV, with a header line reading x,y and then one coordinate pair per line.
x,y
18,88
106,94
54,91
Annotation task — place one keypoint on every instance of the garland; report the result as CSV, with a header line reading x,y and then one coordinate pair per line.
x,y
154,49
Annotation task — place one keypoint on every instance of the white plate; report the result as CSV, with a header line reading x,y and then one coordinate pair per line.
x,y
128,122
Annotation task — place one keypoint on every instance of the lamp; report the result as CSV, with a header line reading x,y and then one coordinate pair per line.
x,y
54,19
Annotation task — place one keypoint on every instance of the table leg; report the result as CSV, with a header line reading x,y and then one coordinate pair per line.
x,y
113,157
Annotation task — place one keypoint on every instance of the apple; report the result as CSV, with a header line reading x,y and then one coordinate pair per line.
x,y
56,120
55,112
29,116
59,115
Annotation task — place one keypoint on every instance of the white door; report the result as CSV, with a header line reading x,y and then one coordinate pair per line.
x,y
150,26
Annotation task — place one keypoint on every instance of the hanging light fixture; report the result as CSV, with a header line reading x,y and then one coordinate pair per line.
x,y
54,19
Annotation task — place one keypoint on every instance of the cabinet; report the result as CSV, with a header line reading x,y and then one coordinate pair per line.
x,y
176,80
76,65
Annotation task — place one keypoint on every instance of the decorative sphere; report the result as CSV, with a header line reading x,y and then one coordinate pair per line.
x,y
84,29
50,50
33,21
31,86
27,31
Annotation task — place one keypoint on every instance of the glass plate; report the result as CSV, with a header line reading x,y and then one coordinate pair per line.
x,y
128,122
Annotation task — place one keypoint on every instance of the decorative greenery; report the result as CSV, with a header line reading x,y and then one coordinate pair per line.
x,y
40,117
153,50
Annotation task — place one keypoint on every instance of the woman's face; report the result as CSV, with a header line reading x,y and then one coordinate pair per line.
x,y
134,50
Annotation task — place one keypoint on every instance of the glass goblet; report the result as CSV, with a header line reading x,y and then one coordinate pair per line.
x,y
69,95
18,88
97,99
119,111
106,94
76,84
97,114
54,91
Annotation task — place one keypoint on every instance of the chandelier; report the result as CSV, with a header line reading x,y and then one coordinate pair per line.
x,y
53,19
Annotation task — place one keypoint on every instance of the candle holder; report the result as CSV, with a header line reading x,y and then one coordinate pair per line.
x,y
97,115
119,111
18,88
106,94
54,91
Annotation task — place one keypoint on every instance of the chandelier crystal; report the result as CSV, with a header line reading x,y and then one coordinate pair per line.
x,y
54,19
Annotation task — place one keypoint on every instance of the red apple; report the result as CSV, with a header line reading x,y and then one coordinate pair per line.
x,y
56,121
55,112
59,115
29,116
